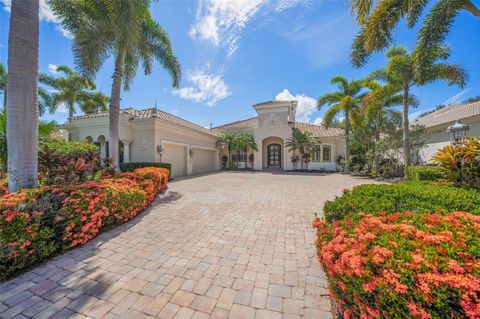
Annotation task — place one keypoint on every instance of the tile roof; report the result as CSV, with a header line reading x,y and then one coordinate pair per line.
x,y
319,130
449,114
273,102
134,114
238,124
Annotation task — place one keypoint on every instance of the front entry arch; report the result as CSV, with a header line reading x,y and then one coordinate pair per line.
x,y
274,155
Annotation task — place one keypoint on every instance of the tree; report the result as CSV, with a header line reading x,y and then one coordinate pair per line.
x,y
379,22
304,142
22,109
71,89
245,142
124,30
227,141
96,102
399,72
346,100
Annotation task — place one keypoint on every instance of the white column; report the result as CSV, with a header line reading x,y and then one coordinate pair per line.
x,y
126,151
189,160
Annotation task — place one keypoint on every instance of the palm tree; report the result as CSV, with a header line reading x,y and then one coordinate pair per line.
x,y
96,102
71,90
379,23
303,142
124,30
346,100
245,142
22,110
399,72
227,141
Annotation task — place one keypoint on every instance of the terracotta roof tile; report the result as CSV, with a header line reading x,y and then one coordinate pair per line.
x,y
449,114
318,130
238,124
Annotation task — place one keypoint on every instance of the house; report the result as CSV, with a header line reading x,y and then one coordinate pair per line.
x,y
437,122
152,135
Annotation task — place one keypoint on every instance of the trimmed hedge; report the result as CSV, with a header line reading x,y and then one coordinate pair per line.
x,y
411,196
128,167
37,223
425,173
403,265
70,148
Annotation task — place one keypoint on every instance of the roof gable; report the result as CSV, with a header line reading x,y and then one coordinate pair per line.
x,y
449,114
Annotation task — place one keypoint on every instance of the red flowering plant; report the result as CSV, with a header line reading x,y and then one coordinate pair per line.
x,y
35,224
403,264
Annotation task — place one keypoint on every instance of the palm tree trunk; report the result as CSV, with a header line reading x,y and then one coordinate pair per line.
x,y
22,103
246,157
70,110
406,126
347,140
114,112
377,138
301,159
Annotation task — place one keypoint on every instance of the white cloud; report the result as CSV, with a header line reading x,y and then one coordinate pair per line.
x,y
282,5
221,22
207,88
457,98
62,108
175,111
52,68
306,104
318,121
45,14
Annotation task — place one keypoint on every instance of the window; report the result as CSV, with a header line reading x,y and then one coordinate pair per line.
x,y
239,156
327,153
316,154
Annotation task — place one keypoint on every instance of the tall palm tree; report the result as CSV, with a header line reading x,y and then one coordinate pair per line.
x,y
96,102
379,22
71,89
346,100
304,142
227,141
124,30
399,72
22,109
246,142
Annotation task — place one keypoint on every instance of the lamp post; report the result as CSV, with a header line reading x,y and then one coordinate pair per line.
x,y
291,124
457,131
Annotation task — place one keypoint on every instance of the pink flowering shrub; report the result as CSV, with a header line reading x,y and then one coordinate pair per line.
x,y
35,224
403,264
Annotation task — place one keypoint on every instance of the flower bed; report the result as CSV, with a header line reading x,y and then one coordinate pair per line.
x,y
37,223
403,264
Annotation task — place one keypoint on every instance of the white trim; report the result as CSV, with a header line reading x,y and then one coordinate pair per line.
x,y
203,147
174,143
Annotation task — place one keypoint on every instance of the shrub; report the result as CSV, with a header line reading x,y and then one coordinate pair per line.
x,y
35,224
131,166
461,162
411,196
76,149
403,265
425,173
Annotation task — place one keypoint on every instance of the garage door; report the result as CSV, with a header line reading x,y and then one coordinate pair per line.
x,y
177,156
203,160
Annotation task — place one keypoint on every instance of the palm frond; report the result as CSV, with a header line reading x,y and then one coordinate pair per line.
x,y
359,55
452,73
328,99
330,114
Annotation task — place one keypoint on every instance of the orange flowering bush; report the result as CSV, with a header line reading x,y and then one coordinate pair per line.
x,y
35,224
403,264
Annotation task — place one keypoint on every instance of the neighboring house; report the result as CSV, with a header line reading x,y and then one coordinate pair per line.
x,y
152,135
436,124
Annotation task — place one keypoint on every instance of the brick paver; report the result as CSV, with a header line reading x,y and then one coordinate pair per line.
x,y
225,245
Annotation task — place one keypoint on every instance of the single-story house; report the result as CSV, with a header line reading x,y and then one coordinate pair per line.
x,y
436,124
152,135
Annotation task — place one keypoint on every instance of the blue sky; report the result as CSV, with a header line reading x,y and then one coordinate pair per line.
x,y
238,53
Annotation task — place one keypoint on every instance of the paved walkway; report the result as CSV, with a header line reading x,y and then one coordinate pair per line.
x,y
226,245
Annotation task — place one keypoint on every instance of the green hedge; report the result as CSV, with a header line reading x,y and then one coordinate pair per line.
x,y
128,167
70,148
409,196
425,173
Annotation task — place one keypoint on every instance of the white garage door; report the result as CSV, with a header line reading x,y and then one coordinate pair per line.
x,y
177,156
203,160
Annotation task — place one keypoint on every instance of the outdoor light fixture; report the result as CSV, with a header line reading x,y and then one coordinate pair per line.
x,y
190,153
457,131
291,124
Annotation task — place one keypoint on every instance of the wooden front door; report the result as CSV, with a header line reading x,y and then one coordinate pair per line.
x,y
274,155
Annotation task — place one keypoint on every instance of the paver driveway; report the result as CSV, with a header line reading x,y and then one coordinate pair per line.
x,y
235,245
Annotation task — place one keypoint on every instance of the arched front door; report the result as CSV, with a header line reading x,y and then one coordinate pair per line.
x,y
274,155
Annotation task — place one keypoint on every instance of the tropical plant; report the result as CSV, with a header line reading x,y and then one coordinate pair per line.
x,y
346,100
96,102
304,143
22,109
227,141
70,90
124,30
399,73
379,22
245,142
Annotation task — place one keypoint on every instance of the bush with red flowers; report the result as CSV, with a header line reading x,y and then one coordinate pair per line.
x,y
37,223
403,265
